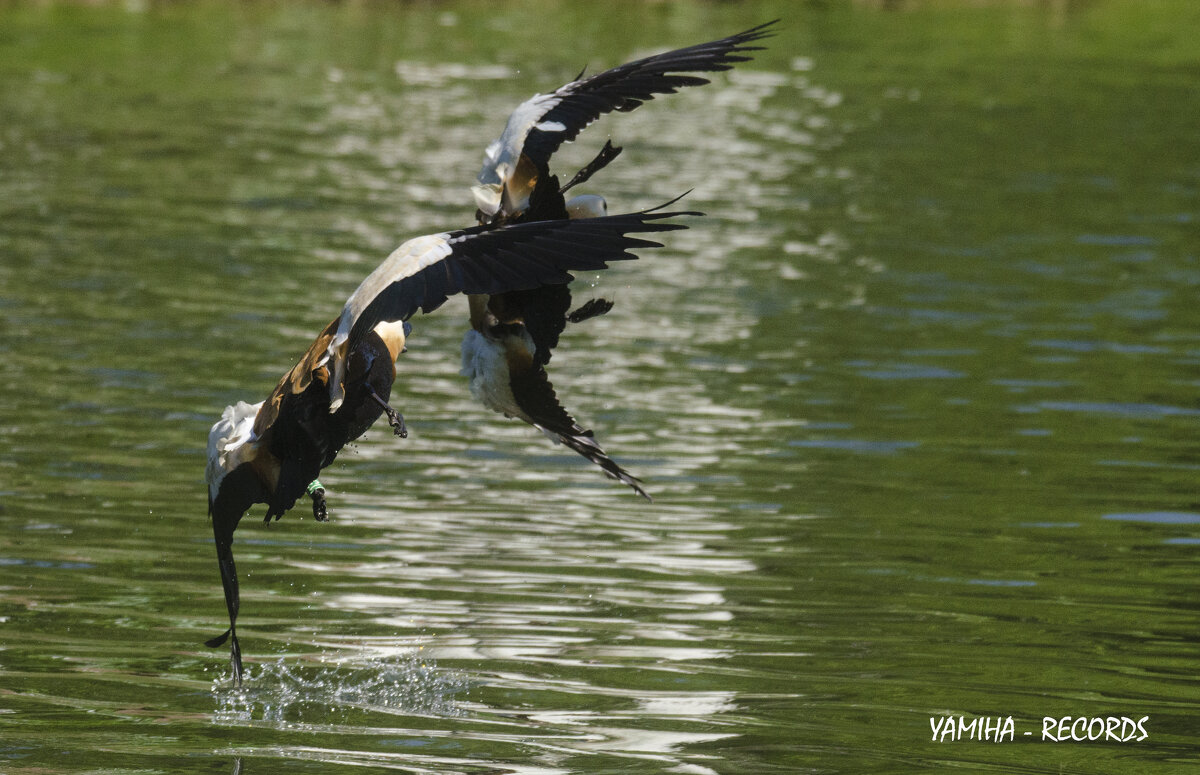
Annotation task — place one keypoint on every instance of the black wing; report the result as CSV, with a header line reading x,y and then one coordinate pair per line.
x,y
627,86
535,395
489,260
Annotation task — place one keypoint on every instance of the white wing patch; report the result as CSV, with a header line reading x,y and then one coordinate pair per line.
x,y
501,156
229,442
405,261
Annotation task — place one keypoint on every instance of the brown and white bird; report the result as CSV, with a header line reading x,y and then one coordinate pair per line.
x,y
513,335
272,452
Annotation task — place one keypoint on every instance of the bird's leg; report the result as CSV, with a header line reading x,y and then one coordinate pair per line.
x,y
316,491
606,155
593,308
395,419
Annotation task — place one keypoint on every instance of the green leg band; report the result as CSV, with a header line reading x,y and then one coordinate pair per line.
x,y
316,485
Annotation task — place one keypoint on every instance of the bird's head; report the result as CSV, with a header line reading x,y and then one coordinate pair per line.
x,y
587,206
394,334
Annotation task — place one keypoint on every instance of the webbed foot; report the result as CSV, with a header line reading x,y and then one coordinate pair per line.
x,y
320,509
395,419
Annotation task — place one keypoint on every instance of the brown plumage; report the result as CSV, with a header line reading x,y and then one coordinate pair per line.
x,y
293,436
272,452
513,335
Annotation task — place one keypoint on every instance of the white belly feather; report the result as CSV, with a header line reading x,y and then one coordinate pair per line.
x,y
486,368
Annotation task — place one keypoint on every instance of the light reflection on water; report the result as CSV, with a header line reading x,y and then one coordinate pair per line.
x,y
284,694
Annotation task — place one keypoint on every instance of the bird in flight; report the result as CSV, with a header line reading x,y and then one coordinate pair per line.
x,y
514,265
272,452
512,335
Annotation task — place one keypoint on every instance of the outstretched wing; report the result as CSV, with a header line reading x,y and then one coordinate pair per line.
x,y
422,273
535,396
541,124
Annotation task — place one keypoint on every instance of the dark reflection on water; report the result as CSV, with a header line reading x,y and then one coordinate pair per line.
x,y
915,400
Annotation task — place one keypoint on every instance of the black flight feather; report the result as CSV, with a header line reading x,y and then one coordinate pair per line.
x,y
627,86
493,260
536,397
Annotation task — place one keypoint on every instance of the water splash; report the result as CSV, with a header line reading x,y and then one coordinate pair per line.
x,y
337,692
